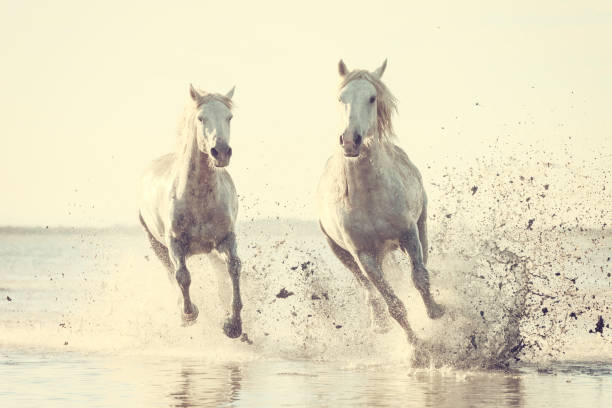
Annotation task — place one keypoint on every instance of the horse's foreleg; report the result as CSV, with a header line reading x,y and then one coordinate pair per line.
x,y
410,243
371,265
378,315
177,251
227,248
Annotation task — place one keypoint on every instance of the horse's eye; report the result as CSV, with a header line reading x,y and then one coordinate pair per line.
x,y
372,99
201,119
230,118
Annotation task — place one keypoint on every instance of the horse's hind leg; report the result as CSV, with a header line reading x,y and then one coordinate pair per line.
x,y
160,250
376,306
371,265
177,252
411,244
227,248
422,226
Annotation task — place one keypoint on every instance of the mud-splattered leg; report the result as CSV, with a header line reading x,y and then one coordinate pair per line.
x,y
177,251
411,244
372,267
378,315
227,249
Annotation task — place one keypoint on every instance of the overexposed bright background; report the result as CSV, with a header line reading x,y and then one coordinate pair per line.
x,y
92,91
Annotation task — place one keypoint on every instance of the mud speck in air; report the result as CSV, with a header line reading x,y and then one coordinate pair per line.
x,y
599,326
284,293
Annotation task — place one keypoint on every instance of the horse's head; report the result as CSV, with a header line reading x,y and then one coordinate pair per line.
x,y
359,96
212,123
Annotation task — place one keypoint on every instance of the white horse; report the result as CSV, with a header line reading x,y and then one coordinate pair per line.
x,y
371,198
189,202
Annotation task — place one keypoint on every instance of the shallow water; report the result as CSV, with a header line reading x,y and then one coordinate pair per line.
x,y
92,320
71,379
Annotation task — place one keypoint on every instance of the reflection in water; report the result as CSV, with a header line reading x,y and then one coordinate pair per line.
x,y
304,384
72,380
235,379
202,385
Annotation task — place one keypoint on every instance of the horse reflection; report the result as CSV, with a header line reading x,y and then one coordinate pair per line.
x,y
201,386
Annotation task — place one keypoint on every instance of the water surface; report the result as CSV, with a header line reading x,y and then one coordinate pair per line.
x,y
89,318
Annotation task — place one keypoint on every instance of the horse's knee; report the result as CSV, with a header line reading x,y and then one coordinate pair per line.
x,y
235,266
183,278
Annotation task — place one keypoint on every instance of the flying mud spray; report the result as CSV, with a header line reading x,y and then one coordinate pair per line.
x,y
519,255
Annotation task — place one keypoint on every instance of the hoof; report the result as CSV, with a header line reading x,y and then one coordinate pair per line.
x,y
190,318
414,340
436,311
420,358
428,354
232,329
423,354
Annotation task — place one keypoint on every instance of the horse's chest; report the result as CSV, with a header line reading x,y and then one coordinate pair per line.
x,y
384,201
361,225
374,216
201,226
211,223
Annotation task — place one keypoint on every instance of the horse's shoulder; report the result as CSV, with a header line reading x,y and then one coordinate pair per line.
x,y
335,165
329,165
404,162
333,180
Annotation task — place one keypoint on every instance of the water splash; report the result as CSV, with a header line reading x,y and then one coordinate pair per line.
x,y
519,255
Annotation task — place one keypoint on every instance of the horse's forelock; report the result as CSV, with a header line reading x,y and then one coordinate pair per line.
x,y
209,97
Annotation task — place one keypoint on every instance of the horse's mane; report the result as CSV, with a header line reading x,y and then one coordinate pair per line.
x,y
386,106
186,130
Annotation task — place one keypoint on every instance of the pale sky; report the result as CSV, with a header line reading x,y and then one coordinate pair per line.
x,y
93,91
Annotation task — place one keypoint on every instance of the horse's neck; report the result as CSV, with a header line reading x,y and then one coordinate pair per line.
x,y
196,175
362,173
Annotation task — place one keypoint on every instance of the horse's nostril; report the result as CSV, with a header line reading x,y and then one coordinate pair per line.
x,y
229,152
357,139
341,141
214,152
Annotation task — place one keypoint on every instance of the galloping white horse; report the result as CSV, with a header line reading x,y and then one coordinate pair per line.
x,y
371,197
189,202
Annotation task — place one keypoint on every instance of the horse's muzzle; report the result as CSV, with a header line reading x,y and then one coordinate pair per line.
x,y
351,144
221,155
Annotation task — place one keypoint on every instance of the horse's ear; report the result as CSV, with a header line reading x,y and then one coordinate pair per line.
x,y
342,69
381,70
230,94
194,94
